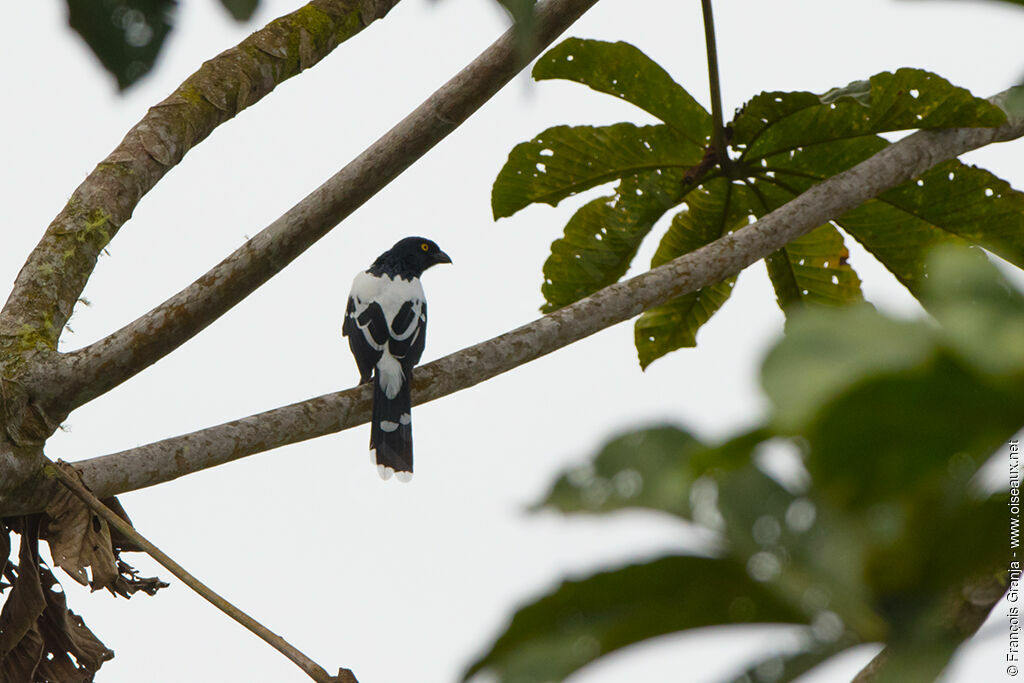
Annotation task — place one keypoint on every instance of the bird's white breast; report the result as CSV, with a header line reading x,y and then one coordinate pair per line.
x,y
389,293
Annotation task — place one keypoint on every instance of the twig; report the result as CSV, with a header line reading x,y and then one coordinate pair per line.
x,y
718,142
312,669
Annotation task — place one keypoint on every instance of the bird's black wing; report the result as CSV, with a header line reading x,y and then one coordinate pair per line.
x,y
409,334
367,333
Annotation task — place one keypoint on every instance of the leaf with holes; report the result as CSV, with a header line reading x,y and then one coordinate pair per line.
x,y
777,122
790,141
715,209
623,71
565,160
589,618
814,269
602,237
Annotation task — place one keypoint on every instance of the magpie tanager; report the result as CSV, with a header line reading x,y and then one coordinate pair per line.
x,y
386,326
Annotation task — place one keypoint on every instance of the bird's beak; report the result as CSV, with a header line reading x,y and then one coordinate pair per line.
x,y
441,257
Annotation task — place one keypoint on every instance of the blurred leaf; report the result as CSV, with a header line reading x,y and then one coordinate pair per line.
x,y
717,208
644,468
622,70
126,35
602,237
565,160
827,351
804,548
917,417
788,667
904,380
873,529
981,314
586,619
241,10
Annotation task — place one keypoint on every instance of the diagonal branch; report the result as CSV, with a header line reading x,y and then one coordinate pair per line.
x,y
171,458
75,378
65,474
57,270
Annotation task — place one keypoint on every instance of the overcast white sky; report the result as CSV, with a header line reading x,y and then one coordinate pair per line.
x,y
410,582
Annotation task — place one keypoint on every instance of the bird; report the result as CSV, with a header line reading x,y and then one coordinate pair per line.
x,y
386,325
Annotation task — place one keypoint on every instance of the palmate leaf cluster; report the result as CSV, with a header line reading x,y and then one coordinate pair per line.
x,y
881,533
780,144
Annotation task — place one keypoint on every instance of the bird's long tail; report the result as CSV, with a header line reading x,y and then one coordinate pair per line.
x,y
391,431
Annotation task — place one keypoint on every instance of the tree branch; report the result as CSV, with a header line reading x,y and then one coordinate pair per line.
x,y
967,611
75,378
174,457
57,270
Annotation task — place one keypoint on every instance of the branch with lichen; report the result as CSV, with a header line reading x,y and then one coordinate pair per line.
x,y
174,457
52,279
56,272
73,379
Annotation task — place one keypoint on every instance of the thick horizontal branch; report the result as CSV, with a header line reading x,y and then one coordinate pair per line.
x,y
77,377
53,277
171,458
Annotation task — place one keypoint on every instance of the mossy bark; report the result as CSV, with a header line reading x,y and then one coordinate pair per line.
x,y
56,272
52,279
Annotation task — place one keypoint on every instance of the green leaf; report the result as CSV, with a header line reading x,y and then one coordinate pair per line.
x,y
602,237
715,209
788,667
241,10
918,418
126,35
565,160
828,350
903,379
587,619
623,71
910,98
791,141
813,269
651,468
981,314
968,202
644,468
802,546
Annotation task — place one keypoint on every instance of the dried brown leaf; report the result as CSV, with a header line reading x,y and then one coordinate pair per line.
x,y
79,538
40,638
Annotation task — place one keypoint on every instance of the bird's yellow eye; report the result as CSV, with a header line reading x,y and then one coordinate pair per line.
x,y
425,247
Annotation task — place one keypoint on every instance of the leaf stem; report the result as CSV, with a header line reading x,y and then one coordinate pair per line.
x,y
59,470
718,123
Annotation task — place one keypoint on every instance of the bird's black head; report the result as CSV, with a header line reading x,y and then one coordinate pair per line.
x,y
409,258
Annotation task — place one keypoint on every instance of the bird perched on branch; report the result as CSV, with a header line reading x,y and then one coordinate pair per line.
x,y
386,326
